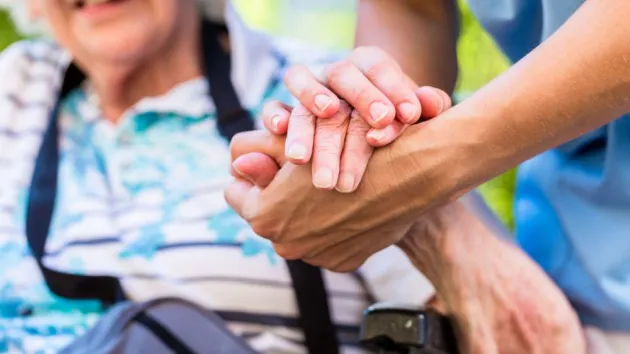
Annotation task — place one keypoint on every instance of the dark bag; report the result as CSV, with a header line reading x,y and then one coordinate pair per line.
x,y
165,325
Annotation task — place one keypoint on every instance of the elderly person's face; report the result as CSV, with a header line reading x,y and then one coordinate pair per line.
x,y
117,31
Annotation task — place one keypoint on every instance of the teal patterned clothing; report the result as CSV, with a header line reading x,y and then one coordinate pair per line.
x,y
143,200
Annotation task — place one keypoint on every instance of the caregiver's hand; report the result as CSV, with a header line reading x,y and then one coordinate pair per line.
x,y
284,206
371,82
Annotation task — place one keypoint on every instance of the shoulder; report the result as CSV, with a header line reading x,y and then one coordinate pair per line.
x,y
30,73
21,59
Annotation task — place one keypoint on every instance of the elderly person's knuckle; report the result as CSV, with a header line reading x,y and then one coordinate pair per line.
x,y
362,96
367,57
336,71
295,71
345,110
371,52
378,68
237,141
359,126
336,123
271,107
327,147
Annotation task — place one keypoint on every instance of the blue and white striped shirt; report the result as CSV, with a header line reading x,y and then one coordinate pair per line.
x,y
143,200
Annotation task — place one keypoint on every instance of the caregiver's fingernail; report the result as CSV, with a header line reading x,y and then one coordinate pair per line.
x,y
408,112
322,102
296,151
275,122
378,111
346,183
323,178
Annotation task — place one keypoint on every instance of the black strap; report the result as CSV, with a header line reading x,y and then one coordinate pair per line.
x,y
319,331
40,207
166,336
312,299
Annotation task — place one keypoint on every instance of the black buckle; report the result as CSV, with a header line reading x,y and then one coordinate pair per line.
x,y
391,329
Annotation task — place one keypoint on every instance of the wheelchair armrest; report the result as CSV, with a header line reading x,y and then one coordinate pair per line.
x,y
395,329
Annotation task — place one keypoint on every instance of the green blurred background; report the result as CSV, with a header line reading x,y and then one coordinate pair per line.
x,y
332,22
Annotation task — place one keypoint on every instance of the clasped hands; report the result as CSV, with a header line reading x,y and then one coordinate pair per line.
x,y
305,184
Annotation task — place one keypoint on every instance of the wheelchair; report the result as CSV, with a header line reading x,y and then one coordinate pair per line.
x,y
392,329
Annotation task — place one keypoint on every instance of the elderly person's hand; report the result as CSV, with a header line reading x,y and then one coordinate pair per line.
x,y
499,299
384,101
341,145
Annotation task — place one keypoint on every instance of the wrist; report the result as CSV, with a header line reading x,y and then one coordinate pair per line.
x,y
444,156
446,244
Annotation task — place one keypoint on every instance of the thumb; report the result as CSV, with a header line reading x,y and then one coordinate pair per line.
x,y
260,141
256,167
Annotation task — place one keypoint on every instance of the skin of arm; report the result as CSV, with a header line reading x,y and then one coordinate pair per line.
x,y
499,299
420,35
576,81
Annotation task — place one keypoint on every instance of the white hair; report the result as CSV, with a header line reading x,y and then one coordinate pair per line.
x,y
25,24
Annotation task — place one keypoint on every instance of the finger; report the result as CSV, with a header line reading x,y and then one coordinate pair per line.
x,y
385,136
260,141
448,102
330,135
257,168
241,195
300,136
310,92
356,155
386,75
350,84
434,101
275,117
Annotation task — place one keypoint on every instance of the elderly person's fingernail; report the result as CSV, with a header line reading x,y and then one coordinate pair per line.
x,y
296,151
275,122
322,102
323,178
346,183
376,134
237,170
408,112
378,111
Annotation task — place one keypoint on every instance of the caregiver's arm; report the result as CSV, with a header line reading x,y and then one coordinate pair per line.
x,y
576,81
420,35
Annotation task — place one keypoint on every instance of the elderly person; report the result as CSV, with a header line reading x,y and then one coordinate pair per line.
x,y
141,168
570,81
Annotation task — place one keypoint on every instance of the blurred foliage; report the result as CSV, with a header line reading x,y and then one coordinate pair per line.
x,y
8,34
480,61
332,22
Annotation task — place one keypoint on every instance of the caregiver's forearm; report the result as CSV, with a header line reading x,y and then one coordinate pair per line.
x,y
576,81
421,35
